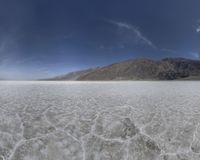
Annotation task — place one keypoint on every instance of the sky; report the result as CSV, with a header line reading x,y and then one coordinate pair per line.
x,y
44,38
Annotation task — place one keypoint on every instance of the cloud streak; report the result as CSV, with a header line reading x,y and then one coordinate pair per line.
x,y
136,32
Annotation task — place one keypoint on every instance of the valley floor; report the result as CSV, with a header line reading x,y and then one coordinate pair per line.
x,y
100,120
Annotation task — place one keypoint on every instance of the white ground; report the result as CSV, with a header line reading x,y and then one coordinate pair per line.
x,y
99,120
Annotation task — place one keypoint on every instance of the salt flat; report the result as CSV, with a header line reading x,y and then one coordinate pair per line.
x,y
100,120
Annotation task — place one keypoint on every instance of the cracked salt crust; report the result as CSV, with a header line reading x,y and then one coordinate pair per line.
x,y
99,120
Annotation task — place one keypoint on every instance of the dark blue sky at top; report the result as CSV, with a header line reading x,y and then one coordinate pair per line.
x,y
43,38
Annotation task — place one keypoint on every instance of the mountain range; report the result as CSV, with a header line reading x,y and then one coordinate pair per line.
x,y
139,69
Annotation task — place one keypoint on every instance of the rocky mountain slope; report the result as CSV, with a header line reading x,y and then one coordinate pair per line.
x,y
141,69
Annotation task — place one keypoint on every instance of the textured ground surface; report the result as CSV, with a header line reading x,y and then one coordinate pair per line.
x,y
100,121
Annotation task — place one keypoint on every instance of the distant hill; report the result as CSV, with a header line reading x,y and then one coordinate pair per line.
x,y
141,69
72,75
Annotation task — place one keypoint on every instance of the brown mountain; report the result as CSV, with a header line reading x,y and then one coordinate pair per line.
x,y
142,69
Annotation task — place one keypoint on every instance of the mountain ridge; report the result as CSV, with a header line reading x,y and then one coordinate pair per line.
x,y
140,69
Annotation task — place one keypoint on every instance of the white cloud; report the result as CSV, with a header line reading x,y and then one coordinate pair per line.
x,y
198,29
121,24
195,55
197,26
143,39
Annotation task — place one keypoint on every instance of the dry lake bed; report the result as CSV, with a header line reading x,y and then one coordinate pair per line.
x,y
100,120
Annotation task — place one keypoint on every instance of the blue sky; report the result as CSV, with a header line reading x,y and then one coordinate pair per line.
x,y
43,38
